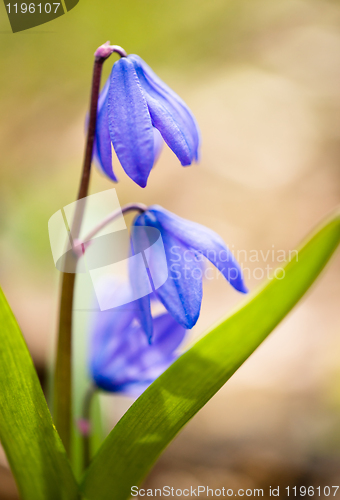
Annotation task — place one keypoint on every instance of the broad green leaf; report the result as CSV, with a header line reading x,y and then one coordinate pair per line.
x,y
32,445
165,407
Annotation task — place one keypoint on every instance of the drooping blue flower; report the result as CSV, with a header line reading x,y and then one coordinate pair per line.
x,y
136,112
186,244
121,359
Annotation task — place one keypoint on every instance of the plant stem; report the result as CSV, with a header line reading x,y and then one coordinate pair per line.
x,y
63,373
130,207
86,418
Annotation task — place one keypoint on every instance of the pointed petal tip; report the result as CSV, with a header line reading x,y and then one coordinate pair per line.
x,y
186,163
113,178
129,122
241,287
103,171
190,321
140,182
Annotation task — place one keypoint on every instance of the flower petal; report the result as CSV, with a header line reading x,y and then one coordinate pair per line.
x,y
130,124
166,118
170,131
168,334
102,146
203,240
108,329
144,316
181,294
139,285
157,144
175,105
129,360
147,362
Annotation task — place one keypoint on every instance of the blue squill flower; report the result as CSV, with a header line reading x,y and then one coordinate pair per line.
x,y
186,244
121,359
136,112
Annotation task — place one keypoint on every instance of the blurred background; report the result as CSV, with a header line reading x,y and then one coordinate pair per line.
x,y
262,78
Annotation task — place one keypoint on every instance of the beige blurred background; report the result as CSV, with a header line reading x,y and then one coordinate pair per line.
x,y
263,79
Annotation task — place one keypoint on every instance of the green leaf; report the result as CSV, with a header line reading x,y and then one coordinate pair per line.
x,y
165,407
33,447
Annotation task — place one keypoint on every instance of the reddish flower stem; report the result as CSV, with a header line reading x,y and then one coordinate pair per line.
x,y
63,372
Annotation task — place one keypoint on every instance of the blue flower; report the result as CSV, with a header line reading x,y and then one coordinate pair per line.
x,y
136,111
121,359
186,244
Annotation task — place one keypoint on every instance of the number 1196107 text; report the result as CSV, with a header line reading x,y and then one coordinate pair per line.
x,y
31,8
311,491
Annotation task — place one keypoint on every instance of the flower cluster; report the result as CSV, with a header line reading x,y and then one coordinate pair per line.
x,y
185,242
136,112
121,359
130,346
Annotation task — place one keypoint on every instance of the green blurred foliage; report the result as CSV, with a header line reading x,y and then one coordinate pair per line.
x,y
45,81
44,84
53,61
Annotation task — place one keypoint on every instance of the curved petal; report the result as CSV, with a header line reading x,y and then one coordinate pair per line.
x,y
181,294
119,368
130,124
102,146
148,361
168,334
145,363
103,93
170,131
202,240
130,361
108,329
157,144
140,283
172,101
165,118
